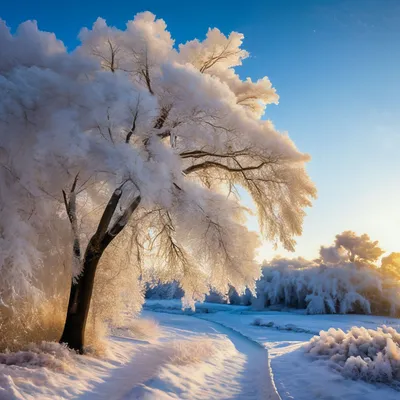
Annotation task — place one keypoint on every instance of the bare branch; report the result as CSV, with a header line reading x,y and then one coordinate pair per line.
x,y
132,130
224,54
70,206
213,164
108,63
162,118
201,153
145,72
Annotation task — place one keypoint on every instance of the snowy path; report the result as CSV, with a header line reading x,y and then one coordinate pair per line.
x,y
237,370
244,375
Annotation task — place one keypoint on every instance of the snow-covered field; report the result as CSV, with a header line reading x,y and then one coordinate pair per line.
x,y
217,352
296,375
192,359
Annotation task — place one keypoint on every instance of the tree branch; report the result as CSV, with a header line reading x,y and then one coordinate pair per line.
x,y
121,222
107,215
213,164
132,130
201,153
70,206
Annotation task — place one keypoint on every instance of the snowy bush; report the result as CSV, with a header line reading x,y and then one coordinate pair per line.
x,y
50,355
24,322
371,355
286,327
324,289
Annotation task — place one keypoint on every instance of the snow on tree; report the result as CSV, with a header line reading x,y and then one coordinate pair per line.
x,y
163,291
320,288
334,283
131,149
349,247
390,266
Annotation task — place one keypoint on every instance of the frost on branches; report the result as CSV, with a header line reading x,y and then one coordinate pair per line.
x,y
131,145
349,247
371,355
345,279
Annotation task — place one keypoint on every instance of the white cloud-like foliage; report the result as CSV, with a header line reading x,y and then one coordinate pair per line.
x,y
390,266
349,247
360,353
128,115
321,289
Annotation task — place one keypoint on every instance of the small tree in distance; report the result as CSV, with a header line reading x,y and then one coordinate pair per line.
x,y
349,247
131,144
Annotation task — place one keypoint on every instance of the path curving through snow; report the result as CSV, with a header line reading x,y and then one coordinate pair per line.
x,y
212,362
241,373
194,359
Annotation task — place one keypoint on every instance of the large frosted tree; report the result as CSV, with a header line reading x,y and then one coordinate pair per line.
x,y
130,144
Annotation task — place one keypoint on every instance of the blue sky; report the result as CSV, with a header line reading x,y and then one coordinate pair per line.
x,y
336,66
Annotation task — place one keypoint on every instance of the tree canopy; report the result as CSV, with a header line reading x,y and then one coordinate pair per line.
x,y
131,135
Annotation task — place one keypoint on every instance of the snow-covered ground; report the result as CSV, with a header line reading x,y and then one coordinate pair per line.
x,y
238,369
193,359
296,375
217,352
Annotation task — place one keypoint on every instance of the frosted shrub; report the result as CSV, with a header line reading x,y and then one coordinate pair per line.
x,y
371,355
22,323
50,355
322,289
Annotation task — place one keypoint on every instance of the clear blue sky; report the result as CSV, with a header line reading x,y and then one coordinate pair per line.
x,y
336,66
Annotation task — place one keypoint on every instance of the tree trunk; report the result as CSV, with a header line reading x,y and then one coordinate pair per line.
x,y
79,300
82,289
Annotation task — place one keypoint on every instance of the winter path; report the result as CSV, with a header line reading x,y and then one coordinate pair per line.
x,y
242,373
228,366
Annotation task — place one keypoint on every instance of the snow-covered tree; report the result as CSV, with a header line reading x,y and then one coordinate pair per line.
x,y
349,247
130,148
334,282
320,289
390,266
163,291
